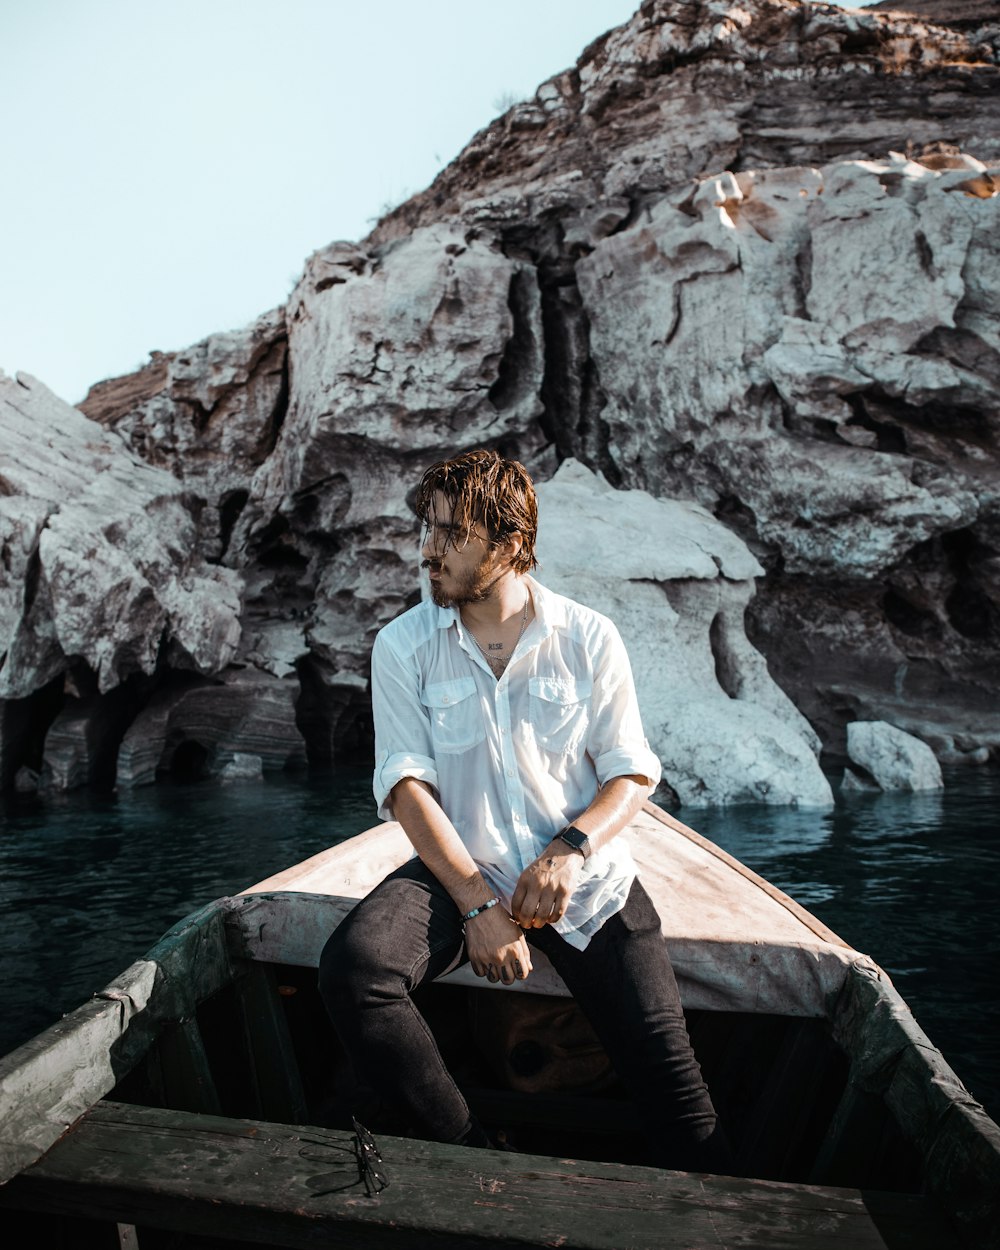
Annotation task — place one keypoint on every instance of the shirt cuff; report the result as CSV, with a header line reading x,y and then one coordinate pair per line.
x,y
394,768
629,762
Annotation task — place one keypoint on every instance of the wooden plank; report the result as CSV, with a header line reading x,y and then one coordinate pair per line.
x,y
185,1072
274,1065
776,1143
892,1056
51,1080
796,909
300,1186
853,1140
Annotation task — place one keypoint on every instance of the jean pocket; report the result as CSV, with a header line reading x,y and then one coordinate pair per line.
x,y
559,710
455,714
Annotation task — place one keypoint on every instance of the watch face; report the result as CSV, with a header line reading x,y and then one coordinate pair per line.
x,y
575,838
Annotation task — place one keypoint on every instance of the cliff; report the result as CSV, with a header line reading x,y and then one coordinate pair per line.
x,y
741,257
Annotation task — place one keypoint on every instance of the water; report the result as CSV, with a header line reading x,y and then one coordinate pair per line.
x,y
912,880
88,883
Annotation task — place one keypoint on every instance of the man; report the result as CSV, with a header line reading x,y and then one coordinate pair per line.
x,y
509,746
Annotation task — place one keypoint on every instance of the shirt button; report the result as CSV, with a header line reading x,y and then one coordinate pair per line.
x,y
445,699
510,772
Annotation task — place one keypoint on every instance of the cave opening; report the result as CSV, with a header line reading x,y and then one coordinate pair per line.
x,y
189,762
908,617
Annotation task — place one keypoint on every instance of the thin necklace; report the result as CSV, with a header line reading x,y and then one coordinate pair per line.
x,y
498,662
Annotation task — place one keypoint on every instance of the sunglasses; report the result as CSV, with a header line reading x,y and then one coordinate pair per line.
x,y
370,1163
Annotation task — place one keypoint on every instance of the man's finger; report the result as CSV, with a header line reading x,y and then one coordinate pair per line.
x,y
530,907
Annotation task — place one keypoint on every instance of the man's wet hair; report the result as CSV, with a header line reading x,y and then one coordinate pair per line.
x,y
483,488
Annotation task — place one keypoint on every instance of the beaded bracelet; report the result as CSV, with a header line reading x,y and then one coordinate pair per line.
x,y
476,910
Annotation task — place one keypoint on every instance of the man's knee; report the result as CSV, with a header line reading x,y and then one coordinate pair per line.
x,y
347,965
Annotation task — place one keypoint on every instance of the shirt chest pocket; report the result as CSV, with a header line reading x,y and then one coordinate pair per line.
x,y
455,715
559,710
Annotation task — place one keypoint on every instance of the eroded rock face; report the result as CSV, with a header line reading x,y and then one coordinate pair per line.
x,y
847,428
676,583
99,553
210,415
974,15
395,355
239,727
768,354
688,87
742,258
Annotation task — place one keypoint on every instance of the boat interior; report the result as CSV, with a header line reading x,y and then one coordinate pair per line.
x,y
202,1100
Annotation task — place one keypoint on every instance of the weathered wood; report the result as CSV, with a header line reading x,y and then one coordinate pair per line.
x,y
295,1186
892,1057
187,1078
51,1080
777,1136
779,896
275,1070
853,1140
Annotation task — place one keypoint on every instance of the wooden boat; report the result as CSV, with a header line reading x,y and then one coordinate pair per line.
x,y
199,1100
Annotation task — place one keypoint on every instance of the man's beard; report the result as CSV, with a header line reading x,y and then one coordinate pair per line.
x,y
474,587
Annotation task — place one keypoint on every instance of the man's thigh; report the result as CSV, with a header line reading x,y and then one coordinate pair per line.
x,y
406,931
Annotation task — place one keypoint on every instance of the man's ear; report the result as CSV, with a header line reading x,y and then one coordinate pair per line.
x,y
512,544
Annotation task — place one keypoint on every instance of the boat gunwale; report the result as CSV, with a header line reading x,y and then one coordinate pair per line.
x,y
779,896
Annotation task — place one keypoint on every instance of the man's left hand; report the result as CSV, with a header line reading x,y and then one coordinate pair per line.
x,y
545,887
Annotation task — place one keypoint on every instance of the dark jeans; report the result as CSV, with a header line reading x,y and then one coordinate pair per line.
x,y
408,931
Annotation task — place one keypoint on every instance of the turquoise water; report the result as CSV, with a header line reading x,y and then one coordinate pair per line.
x,y
88,883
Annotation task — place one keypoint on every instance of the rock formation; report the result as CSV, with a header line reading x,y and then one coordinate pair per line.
x,y
105,596
893,759
741,257
676,582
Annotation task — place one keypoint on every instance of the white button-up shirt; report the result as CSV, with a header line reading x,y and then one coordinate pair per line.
x,y
514,761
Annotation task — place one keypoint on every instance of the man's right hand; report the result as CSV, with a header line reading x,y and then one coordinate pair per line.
x,y
497,947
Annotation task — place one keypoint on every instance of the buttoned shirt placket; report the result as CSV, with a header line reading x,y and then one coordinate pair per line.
x,y
527,846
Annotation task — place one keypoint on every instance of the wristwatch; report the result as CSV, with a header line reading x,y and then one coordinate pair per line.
x,y
577,839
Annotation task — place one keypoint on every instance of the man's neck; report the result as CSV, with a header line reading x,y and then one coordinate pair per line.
x,y
506,601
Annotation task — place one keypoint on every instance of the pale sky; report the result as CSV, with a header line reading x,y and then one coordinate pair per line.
x,y
168,165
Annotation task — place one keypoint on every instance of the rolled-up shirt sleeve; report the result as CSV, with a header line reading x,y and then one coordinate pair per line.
x,y
615,740
403,746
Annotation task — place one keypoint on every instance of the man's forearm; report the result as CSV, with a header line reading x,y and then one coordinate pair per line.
x,y
495,945
614,806
437,843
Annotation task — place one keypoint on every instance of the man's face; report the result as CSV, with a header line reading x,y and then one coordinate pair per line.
x,y
460,571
